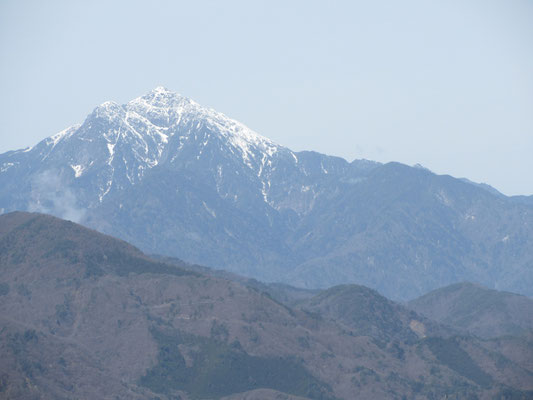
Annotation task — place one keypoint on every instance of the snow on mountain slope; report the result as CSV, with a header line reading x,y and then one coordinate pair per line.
x,y
118,144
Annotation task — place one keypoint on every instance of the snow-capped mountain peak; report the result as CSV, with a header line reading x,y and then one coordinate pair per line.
x,y
164,108
117,144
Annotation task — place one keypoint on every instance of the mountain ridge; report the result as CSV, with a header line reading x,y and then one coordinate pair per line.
x,y
478,310
75,302
182,180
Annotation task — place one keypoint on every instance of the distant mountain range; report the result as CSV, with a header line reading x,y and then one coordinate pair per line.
x,y
179,179
84,315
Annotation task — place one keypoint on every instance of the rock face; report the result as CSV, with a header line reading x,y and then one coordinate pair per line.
x,y
178,179
84,315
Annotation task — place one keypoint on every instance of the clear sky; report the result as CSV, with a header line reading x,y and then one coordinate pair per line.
x,y
447,84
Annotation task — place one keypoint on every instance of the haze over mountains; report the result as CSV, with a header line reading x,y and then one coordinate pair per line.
x,y
85,315
178,179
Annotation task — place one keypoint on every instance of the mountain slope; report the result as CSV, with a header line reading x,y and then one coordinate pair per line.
x,y
407,230
86,316
99,298
368,313
478,310
179,179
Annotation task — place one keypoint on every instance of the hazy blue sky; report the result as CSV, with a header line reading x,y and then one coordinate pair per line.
x,y
448,84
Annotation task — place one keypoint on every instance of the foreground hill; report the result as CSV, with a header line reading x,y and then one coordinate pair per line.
x,y
477,310
367,313
179,179
84,315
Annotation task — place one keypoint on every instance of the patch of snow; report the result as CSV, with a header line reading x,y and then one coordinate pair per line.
x,y
106,191
163,136
263,162
55,139
213,214
263,190
6,166
111,149
296,158
108,109
78,170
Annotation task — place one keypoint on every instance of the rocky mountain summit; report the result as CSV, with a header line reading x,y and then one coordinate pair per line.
x,y
179,179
